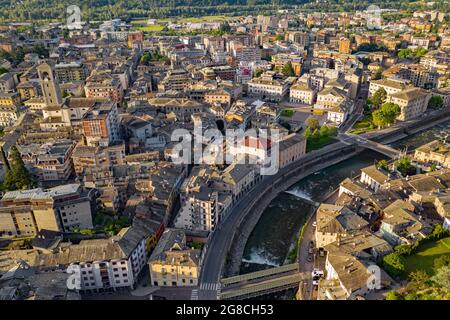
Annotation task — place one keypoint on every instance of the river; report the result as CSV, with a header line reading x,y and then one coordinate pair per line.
x,y
277,229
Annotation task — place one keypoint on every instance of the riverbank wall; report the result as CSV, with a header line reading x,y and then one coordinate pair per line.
x,y
251,215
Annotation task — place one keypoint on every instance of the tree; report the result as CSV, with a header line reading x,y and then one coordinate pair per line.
x,y
390,111
146,58
288,70
3,70
393,295
419,278
404,165
324,131
442,278
420,52
394,264
315,134
383,164
378,118
279,37
379,97
17,177
440,262
307,133
378,74
312,122
436,102
258,73
404,53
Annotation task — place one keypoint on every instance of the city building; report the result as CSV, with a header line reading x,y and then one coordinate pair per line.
x,y
172,263
24,213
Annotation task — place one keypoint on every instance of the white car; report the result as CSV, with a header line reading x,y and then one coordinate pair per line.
x,y
316,280
314,224
317,273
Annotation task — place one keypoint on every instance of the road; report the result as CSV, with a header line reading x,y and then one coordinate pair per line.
x,y
221,238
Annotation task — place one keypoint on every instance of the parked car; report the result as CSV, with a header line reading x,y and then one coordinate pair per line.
x,y
317,273
314,224
316,280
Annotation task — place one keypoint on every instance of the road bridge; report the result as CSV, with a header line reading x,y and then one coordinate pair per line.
x,y
263,282
369,144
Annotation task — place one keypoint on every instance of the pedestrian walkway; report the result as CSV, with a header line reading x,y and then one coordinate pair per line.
x,y
194,294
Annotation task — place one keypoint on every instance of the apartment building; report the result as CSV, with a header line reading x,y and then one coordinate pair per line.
x,y
62,208
8,115
199,207
172,263
223,72
269,86
104,86
70,72
291,148
28,90
180,106
335,221
9,99
101,124
390,85
176,79
412,101
436,152
303,93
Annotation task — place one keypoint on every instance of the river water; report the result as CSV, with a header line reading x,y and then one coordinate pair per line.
x,y
277,229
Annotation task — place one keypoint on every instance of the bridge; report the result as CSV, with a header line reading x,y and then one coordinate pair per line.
x,y
258,283
369,144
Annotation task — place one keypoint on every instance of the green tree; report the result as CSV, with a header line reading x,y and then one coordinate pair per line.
x,y
378,74
312,122
279,37
436,102
404,53
315,134
393,295
288,70
394,264
307,133
390,111
324,131
440,262
146,58
3,70
17,177
442,278
404,165
378,118
420,52
379,97
383,164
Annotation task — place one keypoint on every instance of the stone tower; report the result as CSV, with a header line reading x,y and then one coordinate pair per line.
x,y
50,86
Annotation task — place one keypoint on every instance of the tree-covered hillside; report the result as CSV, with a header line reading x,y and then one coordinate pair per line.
x,y
29,10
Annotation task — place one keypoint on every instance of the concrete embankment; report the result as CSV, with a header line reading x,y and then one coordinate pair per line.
x,y
251,215
253,212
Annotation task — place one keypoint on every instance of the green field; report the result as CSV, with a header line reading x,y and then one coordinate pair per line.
x,y
151,28
423,259
204,19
